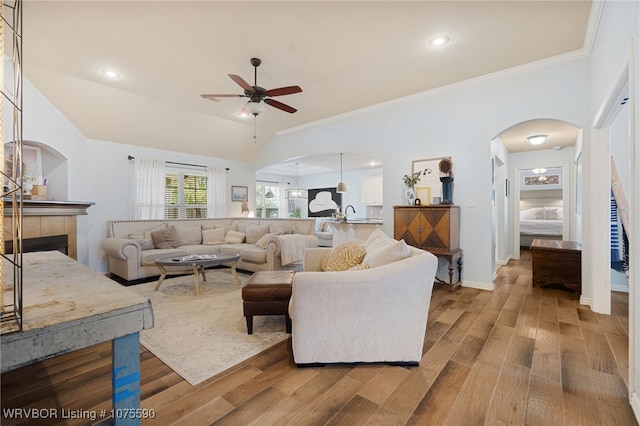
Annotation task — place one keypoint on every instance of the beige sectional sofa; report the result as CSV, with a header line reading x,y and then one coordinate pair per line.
x,y
130,249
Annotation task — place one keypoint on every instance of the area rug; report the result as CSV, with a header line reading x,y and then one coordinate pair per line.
x,y
201,336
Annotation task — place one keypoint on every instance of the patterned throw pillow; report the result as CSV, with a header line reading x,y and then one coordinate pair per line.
x,y
343,257
165,238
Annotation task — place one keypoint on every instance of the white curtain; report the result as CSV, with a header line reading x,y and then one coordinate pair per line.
x,y
150,187
216,191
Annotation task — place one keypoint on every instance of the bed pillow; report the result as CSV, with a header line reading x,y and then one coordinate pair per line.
x,y
550,214
529,214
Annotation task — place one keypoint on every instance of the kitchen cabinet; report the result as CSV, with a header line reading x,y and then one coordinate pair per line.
x,y
372,191
434,228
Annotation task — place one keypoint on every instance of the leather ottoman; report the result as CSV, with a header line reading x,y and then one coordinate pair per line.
x,y
267,293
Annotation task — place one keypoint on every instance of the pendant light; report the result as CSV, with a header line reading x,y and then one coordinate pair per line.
x,y
296,193
341,188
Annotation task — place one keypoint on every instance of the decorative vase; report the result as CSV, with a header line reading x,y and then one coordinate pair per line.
x,y
410,196
447,189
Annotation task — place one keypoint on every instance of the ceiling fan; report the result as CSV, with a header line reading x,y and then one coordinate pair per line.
x,y
257,94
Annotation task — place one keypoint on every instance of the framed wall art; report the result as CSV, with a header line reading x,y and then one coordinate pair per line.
x,y
239,193
323,202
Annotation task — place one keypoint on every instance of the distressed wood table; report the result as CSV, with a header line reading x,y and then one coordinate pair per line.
x,y
66,307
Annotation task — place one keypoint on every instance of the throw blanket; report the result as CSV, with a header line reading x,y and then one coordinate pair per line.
x,y
292,248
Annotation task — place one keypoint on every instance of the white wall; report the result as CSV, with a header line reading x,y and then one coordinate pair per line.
x,y
100,172
457,122
616,44
115,196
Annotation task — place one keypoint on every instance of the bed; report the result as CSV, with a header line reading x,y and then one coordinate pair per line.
x,y
540,222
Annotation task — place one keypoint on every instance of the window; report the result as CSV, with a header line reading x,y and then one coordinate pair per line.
x,y
267,201
185,195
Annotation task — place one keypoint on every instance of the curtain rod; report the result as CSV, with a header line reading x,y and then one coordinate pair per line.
x,y
180,164
270,181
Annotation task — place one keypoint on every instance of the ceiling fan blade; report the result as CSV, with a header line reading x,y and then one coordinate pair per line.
x,y
280,105
214,97
240,81
283,91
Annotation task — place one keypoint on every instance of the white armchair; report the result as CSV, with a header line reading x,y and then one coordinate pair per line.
x,y
372,315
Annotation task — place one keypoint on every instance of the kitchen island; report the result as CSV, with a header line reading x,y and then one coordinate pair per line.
x,y
353,230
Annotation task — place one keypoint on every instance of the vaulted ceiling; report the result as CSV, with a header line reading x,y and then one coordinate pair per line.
x,y
345,55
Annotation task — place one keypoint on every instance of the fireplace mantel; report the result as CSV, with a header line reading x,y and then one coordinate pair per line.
x,y
41,218
49,208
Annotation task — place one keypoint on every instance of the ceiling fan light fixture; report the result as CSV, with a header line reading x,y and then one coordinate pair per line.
x,y
536,139
254,108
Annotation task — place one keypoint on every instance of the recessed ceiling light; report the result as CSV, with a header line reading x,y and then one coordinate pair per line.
x,y
111,73
439,40
537,139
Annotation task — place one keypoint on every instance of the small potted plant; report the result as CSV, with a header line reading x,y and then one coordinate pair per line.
x,y
410,182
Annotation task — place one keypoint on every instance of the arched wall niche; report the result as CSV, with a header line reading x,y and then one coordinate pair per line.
x,y
54,169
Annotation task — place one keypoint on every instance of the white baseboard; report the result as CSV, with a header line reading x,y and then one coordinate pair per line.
x,y
620,288
480,286
635,405
586,301
504,261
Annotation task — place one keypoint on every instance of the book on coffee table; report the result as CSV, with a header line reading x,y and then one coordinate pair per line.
x,y
199,257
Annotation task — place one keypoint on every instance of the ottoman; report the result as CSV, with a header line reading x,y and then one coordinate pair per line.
x,y
267,293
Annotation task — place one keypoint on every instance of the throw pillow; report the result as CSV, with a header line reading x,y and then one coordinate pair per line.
x,y
385,253
144,238
213,236
234,237
280,229
376,237
343,257
540,214
255,232
165,238
262,242
189,235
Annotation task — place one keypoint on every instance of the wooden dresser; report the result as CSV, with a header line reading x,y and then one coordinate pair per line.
x,y
435,228
557,262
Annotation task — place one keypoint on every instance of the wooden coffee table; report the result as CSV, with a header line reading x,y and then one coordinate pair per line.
x,y
172,265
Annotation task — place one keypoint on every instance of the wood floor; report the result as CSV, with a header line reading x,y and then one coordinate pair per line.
x,y
514,356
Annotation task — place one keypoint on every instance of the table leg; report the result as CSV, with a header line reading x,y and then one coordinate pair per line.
x,y
235,274
125,379
162,277
196,277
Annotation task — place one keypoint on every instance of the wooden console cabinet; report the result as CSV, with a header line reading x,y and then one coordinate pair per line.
x,y
557,262
435,228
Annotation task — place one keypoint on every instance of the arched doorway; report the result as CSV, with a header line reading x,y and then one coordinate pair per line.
x,y
546,172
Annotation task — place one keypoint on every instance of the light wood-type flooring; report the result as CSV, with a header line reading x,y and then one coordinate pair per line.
x,y
515,356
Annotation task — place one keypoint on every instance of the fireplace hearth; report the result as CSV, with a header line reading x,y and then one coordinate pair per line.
x,y
55,242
